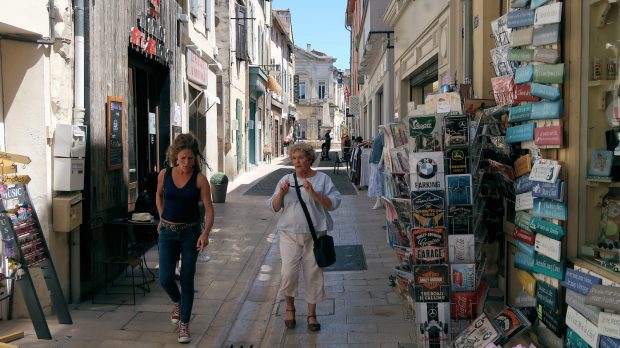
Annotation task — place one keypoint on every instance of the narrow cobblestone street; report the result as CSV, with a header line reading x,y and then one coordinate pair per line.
x,y
237,303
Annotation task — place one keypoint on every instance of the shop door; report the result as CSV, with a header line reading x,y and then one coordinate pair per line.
x,y
239,137
252,134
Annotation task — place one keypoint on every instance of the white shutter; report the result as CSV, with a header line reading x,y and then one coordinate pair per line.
x,y
193,8
208,14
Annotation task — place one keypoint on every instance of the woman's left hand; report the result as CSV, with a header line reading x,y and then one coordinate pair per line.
x,y
202,242
308,187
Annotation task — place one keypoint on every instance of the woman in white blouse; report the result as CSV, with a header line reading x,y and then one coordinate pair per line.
x,y
320,195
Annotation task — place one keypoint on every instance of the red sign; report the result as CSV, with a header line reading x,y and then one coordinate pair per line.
x,y
548,136
523,235
524,93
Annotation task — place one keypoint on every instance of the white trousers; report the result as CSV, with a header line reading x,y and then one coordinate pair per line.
x,y
296,253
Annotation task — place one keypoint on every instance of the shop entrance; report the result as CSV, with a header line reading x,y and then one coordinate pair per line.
x,y
252,134
148,121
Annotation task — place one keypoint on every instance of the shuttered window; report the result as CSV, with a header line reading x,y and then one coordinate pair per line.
x,y
208,14
241,41
193,8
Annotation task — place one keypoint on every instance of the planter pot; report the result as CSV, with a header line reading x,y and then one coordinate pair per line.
x,y
218,193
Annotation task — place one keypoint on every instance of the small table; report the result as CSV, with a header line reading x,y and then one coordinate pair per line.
x,y
136,237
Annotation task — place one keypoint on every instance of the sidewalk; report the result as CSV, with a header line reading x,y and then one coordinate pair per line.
x,y
236,301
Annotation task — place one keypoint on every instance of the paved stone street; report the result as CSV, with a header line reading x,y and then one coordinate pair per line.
x,y
237,302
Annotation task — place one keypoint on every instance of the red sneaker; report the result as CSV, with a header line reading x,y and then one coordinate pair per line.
x,y
184,336
175,316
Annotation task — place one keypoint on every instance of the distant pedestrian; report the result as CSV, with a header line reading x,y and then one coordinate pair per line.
x,y
296,243
180,231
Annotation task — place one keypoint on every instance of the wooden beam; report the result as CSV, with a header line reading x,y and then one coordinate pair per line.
x,y
11,337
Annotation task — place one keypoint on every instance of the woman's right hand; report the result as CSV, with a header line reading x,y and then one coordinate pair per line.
x,y
284,187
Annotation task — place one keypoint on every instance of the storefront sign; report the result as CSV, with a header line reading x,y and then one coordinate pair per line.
x,y
523,220
549,73
582,326
524,74
546,55
522,37
523,165
608,342
549,247
519,3
524,201
149,36
546,295
547,266
517,134
523,184
575,341
523,235
545,91
553,191
579,281
524,261
525,248
524,93
604,296
545,172
547,110
609,325
520,18
537,3
548,14
578,302
521,55
519,113
546,228
551,318
549,209
196,68
546,35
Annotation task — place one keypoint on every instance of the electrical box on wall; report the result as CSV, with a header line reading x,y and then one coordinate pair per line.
x,y
69,141
67,209
68,174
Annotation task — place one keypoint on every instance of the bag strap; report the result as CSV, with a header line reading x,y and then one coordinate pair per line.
x,y
305,208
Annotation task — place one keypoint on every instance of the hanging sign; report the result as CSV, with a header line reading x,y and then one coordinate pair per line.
x,y
524,261
546,55
608,342
579,281
578,301
549,73
521,55
524,93
609,325
523,184
520,18
549,247
517,134
546,294
523,235
549,136
519,113
554,191
582,326
149,36
575,341
547,266
546,35
603,296
544,91
522,37
523,165
524,201
547,110
548,14
544,227
523,220
549,209
545,172
537,3
524,74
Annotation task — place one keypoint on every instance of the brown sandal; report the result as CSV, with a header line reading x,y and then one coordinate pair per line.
x,y
290,323
313,327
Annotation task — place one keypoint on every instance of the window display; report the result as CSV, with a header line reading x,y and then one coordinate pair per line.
x,y
600,177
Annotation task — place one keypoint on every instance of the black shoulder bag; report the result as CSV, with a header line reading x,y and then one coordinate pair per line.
x,y
324,251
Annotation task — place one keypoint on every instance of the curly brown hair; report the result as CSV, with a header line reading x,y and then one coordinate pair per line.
x,y
185,141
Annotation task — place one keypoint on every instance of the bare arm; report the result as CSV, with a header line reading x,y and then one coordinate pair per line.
x,y
277,201
205,197
159,196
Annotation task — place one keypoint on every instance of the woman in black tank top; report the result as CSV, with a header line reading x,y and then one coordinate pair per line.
x,y
181,235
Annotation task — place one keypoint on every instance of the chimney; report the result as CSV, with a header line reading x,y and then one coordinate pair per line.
x,y
309,47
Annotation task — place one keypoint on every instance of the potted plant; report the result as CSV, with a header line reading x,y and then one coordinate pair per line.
x,y
219,185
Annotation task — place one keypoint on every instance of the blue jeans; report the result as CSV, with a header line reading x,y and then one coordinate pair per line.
x,y
172,245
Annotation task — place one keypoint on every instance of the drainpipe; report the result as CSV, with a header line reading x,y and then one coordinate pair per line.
x,y
48,41
78,87
468,42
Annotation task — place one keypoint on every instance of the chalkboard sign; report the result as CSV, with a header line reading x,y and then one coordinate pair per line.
x,y
114,142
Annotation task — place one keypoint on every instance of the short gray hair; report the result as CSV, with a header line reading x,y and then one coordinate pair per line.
x,y
306,148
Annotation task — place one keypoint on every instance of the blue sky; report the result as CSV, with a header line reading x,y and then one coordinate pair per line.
x,y
321,24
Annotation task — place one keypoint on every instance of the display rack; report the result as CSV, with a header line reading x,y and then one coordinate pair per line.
x,y
25,248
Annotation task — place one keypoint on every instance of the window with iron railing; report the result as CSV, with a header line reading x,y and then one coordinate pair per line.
x,y
241,43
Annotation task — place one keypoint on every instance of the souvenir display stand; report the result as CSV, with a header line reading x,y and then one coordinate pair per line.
x,y
434,214
25,248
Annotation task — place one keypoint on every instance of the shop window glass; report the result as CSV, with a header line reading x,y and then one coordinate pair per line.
x,y
599,221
